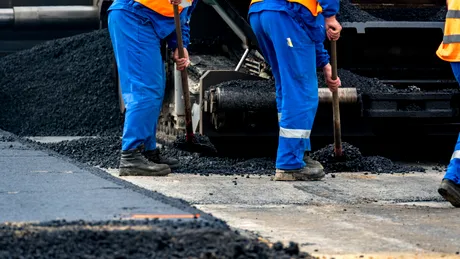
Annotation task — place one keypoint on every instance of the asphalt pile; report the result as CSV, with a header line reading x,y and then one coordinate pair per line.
x,y
61,87
361,83
429,14
102,152
351,13
353,161
105,152
134,239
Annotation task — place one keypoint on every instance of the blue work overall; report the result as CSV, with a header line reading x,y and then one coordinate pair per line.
x,y
136,32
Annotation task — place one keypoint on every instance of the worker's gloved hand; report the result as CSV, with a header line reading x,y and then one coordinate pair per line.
x,y
175,2
333,28
332,84
181,63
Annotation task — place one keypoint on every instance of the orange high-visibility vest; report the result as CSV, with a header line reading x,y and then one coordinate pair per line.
x,y
449,50
311,5
163,7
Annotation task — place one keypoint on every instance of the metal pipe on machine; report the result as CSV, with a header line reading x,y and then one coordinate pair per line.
x,y
236,99
49,16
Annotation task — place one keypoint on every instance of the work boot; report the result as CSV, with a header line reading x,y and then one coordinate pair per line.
x,y
450,191
133,163
312,164
304,174
155,157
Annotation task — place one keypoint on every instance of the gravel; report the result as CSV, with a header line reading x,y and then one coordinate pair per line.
x,y
105,152
351,13
353,161
134,239
60,88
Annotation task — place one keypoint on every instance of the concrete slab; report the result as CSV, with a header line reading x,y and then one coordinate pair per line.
x,y
346,216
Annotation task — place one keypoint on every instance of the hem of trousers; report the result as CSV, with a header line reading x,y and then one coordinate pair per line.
x,y
290,167
456,181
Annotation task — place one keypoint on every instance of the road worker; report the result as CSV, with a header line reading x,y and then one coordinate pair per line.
x,y
449,51
290,35
136,29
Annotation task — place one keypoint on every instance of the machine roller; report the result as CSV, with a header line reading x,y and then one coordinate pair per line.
x,y
225,99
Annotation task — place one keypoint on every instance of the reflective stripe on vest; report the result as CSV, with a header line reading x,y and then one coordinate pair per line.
x,y
449,49
163,7
311,5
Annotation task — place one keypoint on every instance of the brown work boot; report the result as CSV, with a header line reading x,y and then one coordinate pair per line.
x,y
304,174
133,163
155,157
450,191
312,164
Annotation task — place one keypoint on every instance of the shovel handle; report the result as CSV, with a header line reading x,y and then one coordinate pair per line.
x,y
335,104
188,108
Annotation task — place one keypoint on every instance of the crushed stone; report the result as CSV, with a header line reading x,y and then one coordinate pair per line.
x,y
351,13
60,88
134,239
105,152
353,161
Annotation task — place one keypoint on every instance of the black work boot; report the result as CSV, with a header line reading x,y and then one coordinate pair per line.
x,y
133,163
155,157
450,191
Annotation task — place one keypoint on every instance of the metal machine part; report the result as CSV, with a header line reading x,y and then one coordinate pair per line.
x,y
237,112
50,17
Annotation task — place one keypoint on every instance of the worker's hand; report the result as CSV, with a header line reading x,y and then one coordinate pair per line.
x,y
332,84
333,28
175,2
181,63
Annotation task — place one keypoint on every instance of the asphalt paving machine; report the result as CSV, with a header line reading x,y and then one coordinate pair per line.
x,y
397,52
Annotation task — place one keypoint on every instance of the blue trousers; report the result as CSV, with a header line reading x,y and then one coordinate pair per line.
x,y
453,169
142,76
291,54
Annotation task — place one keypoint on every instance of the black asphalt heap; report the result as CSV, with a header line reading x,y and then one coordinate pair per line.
x,y
351,13
353,161
131,239
61,87
105,152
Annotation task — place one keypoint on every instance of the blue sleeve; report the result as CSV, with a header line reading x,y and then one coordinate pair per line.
x,y
322,57
172,38
330,7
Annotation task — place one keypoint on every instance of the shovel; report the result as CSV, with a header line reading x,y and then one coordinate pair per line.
x,y
335,105
191,143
